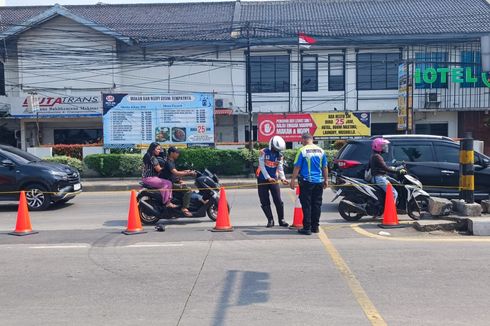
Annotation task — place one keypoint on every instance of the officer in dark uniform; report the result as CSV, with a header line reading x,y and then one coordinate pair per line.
x,y
271,170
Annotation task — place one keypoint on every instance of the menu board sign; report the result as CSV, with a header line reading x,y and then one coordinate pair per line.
x,y
130,120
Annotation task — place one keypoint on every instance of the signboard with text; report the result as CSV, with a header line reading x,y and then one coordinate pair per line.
x,y
405,110
63,106
331,125
168,119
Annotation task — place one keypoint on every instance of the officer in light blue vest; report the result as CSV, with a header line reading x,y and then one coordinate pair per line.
x,y
310,169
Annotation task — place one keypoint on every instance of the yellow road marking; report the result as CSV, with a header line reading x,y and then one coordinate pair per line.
x,y
362,298
368,234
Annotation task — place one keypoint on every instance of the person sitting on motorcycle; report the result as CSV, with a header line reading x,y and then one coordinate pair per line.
x,y
378,167
171,173
269,172
151,169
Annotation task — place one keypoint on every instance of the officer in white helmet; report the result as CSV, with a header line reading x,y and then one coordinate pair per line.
x,y
269,173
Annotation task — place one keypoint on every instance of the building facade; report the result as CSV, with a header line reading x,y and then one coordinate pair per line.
x,y
69,56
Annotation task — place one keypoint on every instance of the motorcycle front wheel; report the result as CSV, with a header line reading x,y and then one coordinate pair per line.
x,y
417,206
212,210
347,214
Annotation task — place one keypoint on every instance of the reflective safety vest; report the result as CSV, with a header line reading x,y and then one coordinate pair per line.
x,y
271,161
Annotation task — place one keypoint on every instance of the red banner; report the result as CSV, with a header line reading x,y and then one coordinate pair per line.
x,y
290,126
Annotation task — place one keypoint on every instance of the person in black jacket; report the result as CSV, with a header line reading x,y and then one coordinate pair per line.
x,y
378,167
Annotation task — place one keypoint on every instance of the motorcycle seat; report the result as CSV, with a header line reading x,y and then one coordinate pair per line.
x,y
144,185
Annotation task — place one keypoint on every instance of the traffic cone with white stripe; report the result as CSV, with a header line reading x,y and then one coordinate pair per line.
x,y
298,213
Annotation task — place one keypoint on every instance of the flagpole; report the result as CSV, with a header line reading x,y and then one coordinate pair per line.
x,y
300,91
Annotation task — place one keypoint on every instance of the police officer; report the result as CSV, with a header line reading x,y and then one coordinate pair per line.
x,y
269,171
310,168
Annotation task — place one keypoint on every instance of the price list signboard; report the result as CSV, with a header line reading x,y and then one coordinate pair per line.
x,y
168,119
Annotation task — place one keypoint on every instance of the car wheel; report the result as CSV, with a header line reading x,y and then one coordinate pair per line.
x,y
37,198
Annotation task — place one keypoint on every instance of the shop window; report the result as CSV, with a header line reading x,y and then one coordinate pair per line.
x,y
384,129
435,129
78,136
309,73
247,134
436,60
472,60
336,72
377,71
270,74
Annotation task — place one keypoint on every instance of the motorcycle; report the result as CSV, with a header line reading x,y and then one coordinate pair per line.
x,y
152,209
363,199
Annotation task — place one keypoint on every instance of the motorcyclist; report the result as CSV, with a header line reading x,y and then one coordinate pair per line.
x,y
378,167
151,169
171,173
271,168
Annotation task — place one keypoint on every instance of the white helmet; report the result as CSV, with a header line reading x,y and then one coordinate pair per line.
x,y
277,144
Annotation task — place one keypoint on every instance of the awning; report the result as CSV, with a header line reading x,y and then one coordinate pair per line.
x,y
223,111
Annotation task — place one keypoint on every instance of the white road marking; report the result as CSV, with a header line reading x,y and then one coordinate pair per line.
x,y
152,245
61,247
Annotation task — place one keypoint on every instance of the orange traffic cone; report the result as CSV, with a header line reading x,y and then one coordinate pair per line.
x,y
390,216
134,221
23,225
298,213
223,220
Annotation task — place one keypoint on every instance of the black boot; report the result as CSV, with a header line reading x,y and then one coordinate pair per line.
x,y
280,215
268,213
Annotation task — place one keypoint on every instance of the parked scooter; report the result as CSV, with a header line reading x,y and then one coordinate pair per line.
x,y
203,202
362,199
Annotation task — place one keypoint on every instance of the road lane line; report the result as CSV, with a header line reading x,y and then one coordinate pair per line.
x,y
361,296
153,245
368,234
61,247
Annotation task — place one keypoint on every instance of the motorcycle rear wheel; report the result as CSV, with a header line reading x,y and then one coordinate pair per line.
x,y
146,218
347,214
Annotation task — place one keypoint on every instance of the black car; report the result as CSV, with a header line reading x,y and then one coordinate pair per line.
x,y
45,183
433,159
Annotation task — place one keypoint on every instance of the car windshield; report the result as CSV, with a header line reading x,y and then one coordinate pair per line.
x,y
21,156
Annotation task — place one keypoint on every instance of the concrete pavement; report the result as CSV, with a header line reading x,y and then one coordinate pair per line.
x,y
80,270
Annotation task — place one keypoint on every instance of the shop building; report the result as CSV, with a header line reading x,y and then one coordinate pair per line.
x,y
78,52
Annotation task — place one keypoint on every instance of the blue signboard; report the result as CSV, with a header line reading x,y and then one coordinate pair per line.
x,y
186,119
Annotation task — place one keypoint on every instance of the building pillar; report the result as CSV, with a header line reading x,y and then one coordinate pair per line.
x,y
23,135
350,80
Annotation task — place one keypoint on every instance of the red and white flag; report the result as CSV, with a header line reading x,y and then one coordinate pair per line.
x,y
305,40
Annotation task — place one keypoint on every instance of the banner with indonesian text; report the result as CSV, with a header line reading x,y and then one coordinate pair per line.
x,y
328,125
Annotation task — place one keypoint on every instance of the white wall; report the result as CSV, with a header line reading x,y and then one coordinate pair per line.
x,y
62,54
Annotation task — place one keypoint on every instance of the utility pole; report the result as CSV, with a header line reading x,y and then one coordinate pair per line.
x,y
249,91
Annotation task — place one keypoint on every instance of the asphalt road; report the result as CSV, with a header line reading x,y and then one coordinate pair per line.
x,y
80,270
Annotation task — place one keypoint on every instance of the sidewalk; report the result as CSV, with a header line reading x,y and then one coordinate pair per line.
x,y
121,184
